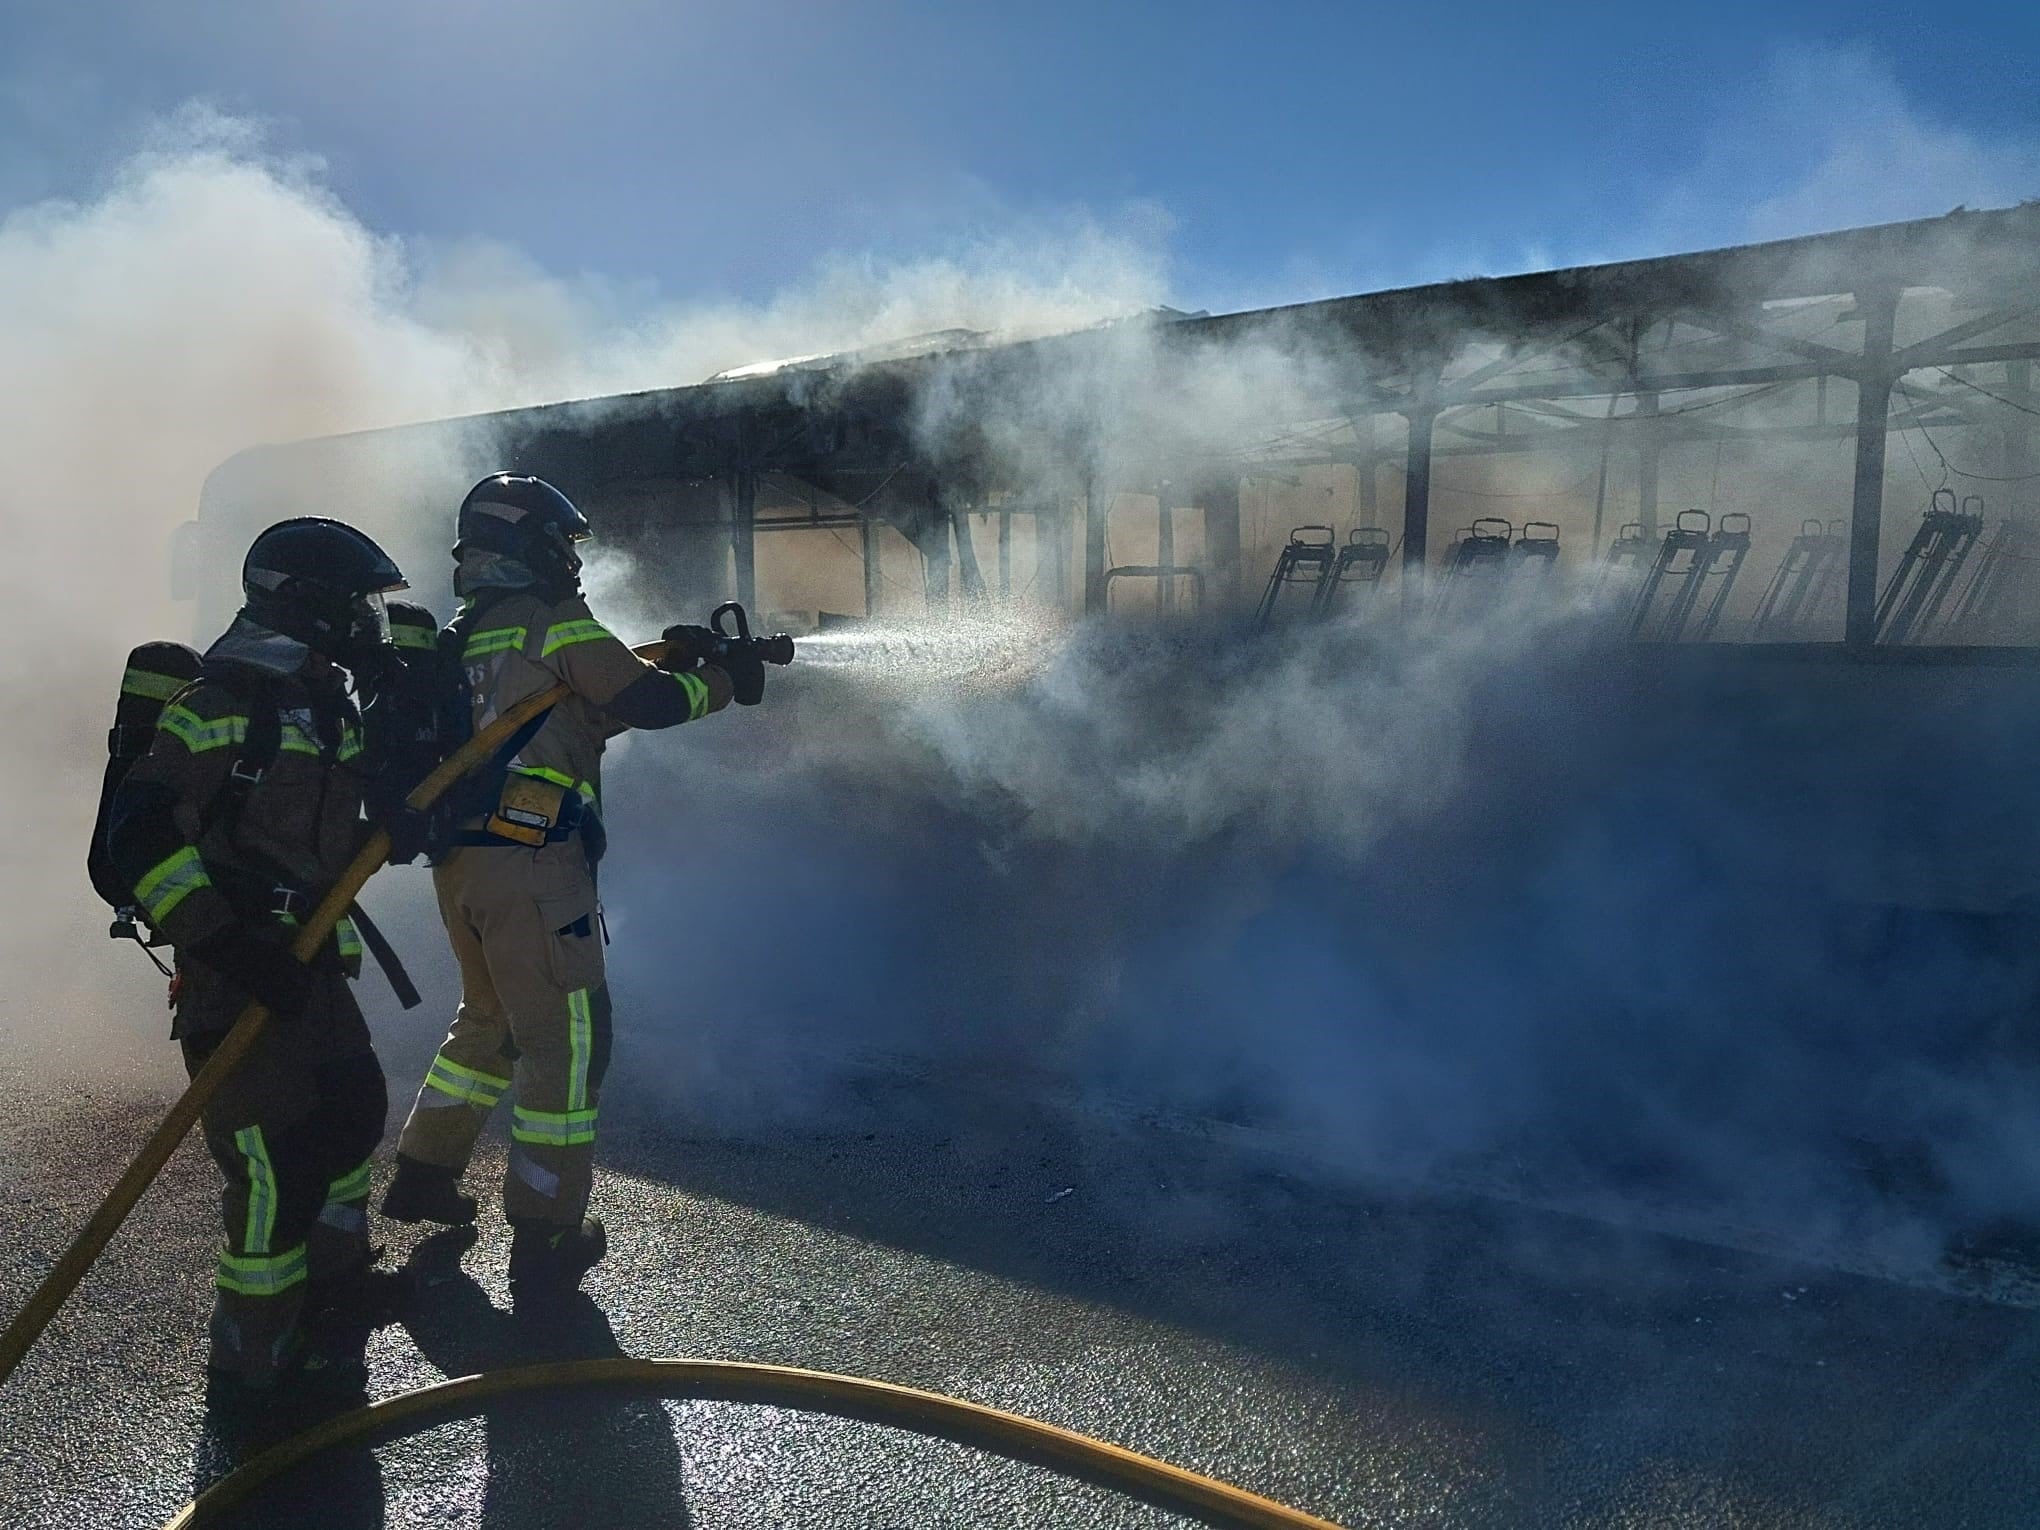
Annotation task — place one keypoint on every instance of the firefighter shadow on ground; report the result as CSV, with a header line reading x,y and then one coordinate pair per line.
x,y
585,1458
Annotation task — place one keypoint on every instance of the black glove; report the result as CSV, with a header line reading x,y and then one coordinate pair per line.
x,y
410,832
686,646
384,797
266,970
377,669
747,677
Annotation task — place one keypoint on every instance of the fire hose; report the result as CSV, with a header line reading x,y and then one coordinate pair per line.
x,y
930,1413
906,1407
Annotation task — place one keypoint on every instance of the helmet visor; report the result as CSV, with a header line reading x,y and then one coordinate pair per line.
x,y
372,619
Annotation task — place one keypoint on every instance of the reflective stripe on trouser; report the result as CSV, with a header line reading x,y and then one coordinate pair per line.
x,y
291,1130
255,1313
259,1286
533,1018
340,1236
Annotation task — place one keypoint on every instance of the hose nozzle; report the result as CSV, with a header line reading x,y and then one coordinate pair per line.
x,y
776,649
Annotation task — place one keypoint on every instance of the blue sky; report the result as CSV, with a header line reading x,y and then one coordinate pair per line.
x,y
1276,151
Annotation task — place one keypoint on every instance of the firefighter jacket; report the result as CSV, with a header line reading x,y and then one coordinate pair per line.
x,y
518,642
204,845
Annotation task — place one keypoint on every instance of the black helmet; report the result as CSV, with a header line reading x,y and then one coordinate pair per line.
x,y
322,582
526,520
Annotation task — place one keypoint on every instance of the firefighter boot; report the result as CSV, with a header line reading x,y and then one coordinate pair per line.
x,y
547,1257
425,1192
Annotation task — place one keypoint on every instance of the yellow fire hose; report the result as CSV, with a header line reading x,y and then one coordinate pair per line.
x,y
1007,1434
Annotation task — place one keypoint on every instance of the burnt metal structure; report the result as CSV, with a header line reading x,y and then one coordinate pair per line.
x,y
1841,338
1306,561
1165,577
1796,598
1360,566
1536,550
1672,586
1929,569
1997,601
1478,560
1623,564
1695,570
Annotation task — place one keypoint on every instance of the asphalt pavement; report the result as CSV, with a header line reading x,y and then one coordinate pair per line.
x,y
1381,1359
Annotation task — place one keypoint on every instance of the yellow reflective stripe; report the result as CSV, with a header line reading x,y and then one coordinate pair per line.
x,y
474,1075
467,1094
697,696
413,637
495,640
169,882
295,740
261,1274
585,789
261,1224
471,1086
345,935
145,682
553,1128
567,634
580,1041
352,1186
557,777
199,735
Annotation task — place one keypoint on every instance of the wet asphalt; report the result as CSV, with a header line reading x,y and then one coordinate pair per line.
x,y
1380,1359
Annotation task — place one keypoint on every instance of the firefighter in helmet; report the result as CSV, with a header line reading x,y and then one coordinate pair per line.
x,y
245,809
517,888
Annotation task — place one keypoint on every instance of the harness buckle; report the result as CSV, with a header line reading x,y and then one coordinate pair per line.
x,y
287,902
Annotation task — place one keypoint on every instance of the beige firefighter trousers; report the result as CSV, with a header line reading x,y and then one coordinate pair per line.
x,y
533,1021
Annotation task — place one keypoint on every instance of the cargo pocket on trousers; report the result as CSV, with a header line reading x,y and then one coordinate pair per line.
x,y
573,944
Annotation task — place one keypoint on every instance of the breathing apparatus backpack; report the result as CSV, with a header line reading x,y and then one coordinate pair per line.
x,y
156,675
415,715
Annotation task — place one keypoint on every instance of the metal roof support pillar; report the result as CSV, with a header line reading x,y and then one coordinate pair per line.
x,y
1095,514
970,579
1365,510
935,559
1165,547
1422,416
874,580
1005,555
2018,452
1052,547
1648,444
1220,498
743,533
1878,309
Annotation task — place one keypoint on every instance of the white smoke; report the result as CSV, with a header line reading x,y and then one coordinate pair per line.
x,y
1828,138
209,296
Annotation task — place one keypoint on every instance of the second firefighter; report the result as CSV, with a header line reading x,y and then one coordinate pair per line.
x,y
517,890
